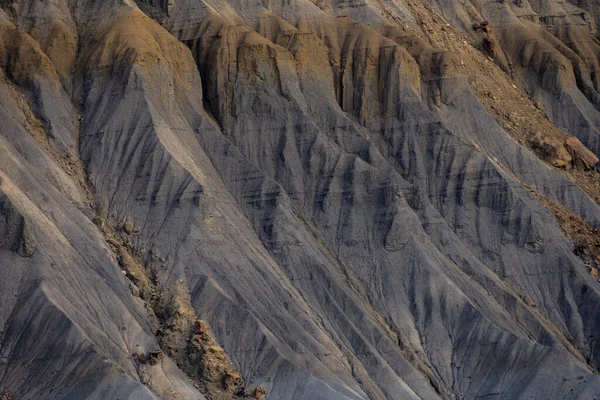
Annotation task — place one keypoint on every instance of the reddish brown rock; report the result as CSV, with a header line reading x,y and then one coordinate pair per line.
x,y
582,157
200,327
260,393
551,150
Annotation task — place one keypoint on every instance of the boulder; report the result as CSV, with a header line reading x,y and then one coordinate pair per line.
x,y
582,157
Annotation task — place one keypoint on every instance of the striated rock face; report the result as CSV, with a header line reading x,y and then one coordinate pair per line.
x,y
290,200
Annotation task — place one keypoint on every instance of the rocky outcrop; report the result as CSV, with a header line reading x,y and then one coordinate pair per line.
x,y
212,365
570,153
582,157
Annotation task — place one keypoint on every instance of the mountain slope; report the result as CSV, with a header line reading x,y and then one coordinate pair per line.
x,y
329,200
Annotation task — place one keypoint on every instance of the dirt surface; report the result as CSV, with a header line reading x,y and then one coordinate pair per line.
x,y
586,240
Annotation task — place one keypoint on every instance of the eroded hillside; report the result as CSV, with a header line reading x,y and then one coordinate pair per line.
x,y
288,200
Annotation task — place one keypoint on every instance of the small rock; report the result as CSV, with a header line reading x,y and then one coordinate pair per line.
x,y
135,291
260,393
99,221
489,45
145,294
128,227
155,357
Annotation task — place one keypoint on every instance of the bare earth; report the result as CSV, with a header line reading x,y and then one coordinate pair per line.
x,y
328,200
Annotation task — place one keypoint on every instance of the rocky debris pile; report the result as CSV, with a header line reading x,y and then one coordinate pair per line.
x,y
585,239
140,277
173,317
211,365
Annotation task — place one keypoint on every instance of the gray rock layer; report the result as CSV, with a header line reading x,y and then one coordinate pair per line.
x,y
316,181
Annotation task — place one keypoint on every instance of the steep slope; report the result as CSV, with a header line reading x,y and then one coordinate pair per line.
x,y
299,200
